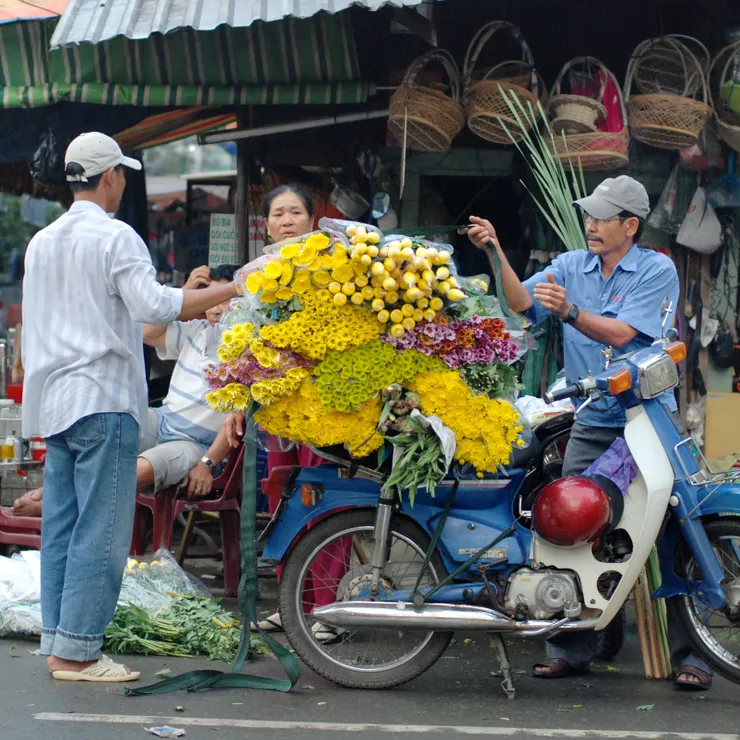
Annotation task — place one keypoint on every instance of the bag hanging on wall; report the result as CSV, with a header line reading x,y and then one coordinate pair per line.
x,y
47,163
701,229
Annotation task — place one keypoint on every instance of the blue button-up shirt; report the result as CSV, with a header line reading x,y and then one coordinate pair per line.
x,y
634,293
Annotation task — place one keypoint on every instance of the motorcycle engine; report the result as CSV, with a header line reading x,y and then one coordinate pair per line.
x,y
544,594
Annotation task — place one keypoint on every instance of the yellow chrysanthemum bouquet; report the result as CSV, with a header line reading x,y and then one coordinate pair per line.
x,y
343,337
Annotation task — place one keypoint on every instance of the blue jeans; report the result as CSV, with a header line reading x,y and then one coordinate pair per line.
x,y
89,501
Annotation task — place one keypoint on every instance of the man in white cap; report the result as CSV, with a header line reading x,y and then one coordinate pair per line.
x,y
608,296
88,287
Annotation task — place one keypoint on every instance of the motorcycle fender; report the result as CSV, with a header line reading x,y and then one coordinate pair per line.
x,y
296,517
725,502
646,502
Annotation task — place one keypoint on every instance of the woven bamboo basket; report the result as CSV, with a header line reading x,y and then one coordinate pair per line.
x,y
728,120
600,151
576,114
486,109
666,69
424,118
662,120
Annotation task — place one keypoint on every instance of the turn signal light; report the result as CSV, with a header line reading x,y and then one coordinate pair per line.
x,y
308,495
620,382
677,351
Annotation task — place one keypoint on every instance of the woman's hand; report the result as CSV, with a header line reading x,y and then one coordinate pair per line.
x,y
198,481
234,427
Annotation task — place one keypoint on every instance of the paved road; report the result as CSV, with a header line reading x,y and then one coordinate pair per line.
x,y
458,698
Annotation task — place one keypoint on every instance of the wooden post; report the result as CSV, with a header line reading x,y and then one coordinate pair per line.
x,y
241,202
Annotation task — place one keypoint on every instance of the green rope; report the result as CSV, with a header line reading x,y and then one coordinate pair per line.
x,y
209,679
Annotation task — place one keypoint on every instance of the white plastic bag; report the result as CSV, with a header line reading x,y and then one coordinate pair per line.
x,y
701,229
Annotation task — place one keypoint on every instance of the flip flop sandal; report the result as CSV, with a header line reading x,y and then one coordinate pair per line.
x,y
104,671
703,684
326,634
270,624
559,668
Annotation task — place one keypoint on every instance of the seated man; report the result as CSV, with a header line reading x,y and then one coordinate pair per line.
x,y
184,439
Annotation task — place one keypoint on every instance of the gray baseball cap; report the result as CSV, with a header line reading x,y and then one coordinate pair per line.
x,y
614,195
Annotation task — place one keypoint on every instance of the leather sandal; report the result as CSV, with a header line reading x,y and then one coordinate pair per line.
x,y
703,684
559,668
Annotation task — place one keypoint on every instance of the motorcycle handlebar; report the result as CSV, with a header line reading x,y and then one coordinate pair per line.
x,y
567,392
579,388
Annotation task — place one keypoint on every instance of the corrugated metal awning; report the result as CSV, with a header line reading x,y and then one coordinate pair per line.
x,y
294,62
93,21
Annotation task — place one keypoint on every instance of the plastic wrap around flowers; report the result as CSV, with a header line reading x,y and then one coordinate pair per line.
x,y
344,337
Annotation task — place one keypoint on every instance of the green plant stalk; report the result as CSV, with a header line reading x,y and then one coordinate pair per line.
x,y
558,191
658,605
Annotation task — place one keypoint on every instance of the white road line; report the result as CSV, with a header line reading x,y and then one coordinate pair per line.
x,y
259,724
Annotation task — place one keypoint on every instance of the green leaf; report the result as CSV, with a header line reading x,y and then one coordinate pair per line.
x,y
645,708
164,673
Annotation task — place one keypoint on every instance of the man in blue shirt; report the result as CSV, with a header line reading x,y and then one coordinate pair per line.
x,y
608,296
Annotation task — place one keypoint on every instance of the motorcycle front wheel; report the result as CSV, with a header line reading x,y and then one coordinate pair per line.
x,y
331,563
715,634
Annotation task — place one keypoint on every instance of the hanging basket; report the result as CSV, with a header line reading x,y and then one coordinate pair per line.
x,y
576,114
662,120
484,100
597,150
725,112
667,69
424,118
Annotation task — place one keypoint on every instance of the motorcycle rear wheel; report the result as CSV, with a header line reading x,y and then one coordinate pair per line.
x,y
708,637
348,660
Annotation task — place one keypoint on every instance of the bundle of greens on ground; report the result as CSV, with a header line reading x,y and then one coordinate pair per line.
x,y
185,628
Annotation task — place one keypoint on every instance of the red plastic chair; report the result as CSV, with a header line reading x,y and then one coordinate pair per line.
x,y
168,504
23,531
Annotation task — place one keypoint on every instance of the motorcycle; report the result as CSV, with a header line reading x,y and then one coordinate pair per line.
x,y
393,582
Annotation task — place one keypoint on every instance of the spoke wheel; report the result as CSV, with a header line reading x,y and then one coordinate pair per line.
x,y
715,634
331,564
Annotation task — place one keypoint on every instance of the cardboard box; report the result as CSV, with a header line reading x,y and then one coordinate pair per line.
x,y
722,427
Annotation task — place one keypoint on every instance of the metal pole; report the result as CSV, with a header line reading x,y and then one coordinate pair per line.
x,y
242,189
284,128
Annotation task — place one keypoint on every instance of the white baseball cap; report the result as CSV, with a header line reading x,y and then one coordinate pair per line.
x,y
95,153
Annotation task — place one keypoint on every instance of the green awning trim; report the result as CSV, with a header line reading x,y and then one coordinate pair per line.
x,y
287,62
167,95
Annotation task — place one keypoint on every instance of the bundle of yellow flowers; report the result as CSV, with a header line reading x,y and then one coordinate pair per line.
x,y
336,318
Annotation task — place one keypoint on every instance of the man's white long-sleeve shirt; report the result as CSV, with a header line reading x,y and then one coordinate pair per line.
x,y
88,287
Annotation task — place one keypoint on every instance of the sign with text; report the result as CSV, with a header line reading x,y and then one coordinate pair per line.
x,y
222,249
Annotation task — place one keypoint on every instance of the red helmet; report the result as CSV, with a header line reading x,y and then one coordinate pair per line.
x,y
573,511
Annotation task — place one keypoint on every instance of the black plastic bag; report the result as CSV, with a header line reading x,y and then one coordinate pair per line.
x,y
723,349
47,163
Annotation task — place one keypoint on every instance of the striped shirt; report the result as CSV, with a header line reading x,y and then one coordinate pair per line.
x,y
184,413
88,287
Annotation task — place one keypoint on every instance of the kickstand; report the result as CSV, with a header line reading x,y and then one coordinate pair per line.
x,y
507,684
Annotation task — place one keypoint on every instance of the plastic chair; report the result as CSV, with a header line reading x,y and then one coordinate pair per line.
x,y
22,531
168,504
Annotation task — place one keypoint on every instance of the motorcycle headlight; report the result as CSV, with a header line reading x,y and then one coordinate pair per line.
x,y
657,375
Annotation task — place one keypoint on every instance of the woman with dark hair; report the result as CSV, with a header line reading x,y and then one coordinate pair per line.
x,y
289,214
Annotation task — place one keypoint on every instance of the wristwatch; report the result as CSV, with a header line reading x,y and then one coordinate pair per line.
x,y
207,462
572,316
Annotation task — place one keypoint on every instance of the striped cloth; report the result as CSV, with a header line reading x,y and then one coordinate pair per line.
x,y
291,62
184,413
88,286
